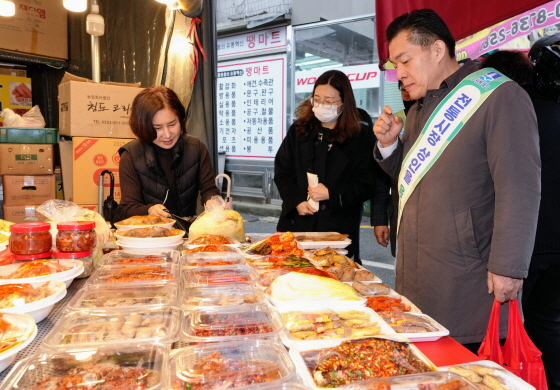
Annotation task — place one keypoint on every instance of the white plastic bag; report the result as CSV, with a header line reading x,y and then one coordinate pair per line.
x,y
32,119
217,219
63,211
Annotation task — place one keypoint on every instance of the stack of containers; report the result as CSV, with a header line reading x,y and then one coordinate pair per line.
x,y
27,169
227,321
123,321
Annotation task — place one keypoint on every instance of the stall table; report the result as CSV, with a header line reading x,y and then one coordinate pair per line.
x,y
442,352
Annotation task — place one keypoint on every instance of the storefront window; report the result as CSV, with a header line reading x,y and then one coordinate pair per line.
x,y
345,45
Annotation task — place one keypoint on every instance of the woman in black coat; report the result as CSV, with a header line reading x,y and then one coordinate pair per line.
x,y
330,138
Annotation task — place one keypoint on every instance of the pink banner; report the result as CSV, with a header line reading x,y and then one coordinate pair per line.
x,y
502,33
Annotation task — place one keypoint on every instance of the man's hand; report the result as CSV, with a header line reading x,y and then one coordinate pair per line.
x,y
503,287
157,209
304,208
381,233
318,193
387,127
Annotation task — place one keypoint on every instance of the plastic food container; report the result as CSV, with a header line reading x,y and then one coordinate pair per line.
x,y
76,236
211,249
142,366
256,362
30,238
212,259
36,300
124,295
225,295
232,323
429,380
18,330
122,257
150,239
145,273
306,356
115,327
85,257
223,274
140,249
70,269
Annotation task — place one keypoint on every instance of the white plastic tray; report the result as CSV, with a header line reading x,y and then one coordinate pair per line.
x,y
426,336
302,346
303,304
65,276
321,244
8,356
40,309
385,329
512,382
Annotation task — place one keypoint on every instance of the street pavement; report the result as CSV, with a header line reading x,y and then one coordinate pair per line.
x,y
375,257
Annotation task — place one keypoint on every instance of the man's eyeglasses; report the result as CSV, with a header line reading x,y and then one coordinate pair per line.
x,y
325,103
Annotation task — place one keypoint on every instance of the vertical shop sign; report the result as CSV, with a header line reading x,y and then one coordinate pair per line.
x,y
250,105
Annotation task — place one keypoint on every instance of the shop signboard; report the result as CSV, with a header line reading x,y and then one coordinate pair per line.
x,y
251,106
360,76
252,42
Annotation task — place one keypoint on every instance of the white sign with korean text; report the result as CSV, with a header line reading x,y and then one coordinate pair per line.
x,y
361,76
250,106
254,41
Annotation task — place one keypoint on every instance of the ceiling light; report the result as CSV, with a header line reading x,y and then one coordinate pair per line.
x,y
75,5
7,8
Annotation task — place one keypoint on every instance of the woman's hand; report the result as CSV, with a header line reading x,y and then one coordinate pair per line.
x,y
304,208
157,209
318,193
381,234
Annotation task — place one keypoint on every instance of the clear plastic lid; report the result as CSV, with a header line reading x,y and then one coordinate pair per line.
x,y
136,367
122,257
232,323
266,263
223,295
122,295
223,274
14,330
428,380
231,364
211,259
212,239
135,274
115,327
209,249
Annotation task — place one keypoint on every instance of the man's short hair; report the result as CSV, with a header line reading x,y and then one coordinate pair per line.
x,y
424,27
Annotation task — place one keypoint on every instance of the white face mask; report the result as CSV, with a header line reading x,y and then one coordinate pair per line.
x,y
326,115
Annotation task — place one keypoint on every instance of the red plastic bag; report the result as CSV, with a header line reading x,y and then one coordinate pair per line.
x,y
518,354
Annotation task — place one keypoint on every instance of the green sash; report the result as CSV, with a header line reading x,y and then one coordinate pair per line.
x,y
444,124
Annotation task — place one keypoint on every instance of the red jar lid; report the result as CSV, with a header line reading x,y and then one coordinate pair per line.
x,y
75,225
30,227
71,255
37,256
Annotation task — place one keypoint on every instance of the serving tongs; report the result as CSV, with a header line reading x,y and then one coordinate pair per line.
x,y
183,223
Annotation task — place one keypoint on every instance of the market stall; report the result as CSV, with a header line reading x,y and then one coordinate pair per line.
x,y
275,308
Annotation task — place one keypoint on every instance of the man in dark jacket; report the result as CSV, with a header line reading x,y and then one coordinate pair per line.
x,y
541,290
467,229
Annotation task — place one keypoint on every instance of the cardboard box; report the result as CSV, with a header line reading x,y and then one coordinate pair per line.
x,y
89,109
20,214
92,207
20,190
15,93
26,159
9,70
38,28
89,157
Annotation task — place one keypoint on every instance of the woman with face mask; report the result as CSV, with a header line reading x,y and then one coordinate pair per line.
x,y
332,139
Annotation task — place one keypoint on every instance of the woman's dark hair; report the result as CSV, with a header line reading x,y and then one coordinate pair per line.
x,y
348,124
147,104
424,27
514,64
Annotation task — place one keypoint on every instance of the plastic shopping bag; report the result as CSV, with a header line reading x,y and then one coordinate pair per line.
x,y
518,355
